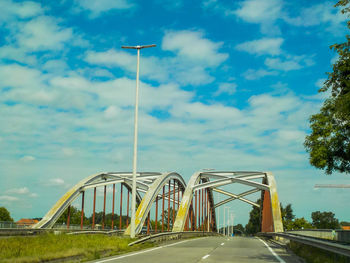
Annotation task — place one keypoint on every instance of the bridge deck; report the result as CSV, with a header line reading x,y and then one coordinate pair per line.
x,y
208,250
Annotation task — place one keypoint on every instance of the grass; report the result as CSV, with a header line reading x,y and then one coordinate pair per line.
x,y
49,246
315,255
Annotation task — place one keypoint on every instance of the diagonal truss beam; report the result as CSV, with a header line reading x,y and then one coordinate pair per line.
x,y
234,197
226,181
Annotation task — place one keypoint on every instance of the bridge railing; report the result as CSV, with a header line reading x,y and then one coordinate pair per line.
x,y
328,245
329,234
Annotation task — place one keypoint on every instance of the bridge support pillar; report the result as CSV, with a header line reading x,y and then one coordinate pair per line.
x,y
271,219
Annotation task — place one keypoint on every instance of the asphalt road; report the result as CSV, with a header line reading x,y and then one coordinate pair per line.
x,y
208,250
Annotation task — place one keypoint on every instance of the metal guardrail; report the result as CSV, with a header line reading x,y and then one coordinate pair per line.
x,y
315,242
339,235
173,236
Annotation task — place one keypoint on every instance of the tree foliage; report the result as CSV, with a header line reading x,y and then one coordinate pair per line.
x,y
324,220
238,229
5,215
75,217
254,224
298,223
171,217
344,223
329,141
287,215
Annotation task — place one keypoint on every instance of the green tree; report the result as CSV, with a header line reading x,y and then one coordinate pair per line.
x,y
75,217
344,223
287,212
324,220
5,215
254,224
287,215
238,229
170,219
329,142
299,223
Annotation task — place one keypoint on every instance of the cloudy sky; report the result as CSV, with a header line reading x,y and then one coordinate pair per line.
x,y
230,86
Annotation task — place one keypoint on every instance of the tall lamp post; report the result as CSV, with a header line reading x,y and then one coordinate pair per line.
x,y
232,217
134,163
228,221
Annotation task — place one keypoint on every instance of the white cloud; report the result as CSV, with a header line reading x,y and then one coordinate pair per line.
x,y
17,54
30,87
68,152
278,64
26,9
56,66
253,74
29,77
27,158
189,66
290,63
111,112
200,111
19,191
194,46
96,8
151,67
264,12
56,182
258,11
112,58
101,73
226,88
263,46
280,88
195,75
318,14
7,198
24,191
43,33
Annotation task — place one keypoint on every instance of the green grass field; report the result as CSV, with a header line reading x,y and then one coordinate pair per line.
x,y
49,246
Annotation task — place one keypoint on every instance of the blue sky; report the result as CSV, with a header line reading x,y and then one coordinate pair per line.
x,y
230,86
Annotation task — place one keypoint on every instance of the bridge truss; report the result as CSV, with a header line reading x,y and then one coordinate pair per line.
x,y
202,185
173,205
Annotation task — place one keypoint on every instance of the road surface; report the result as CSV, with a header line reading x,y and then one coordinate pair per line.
x,y
209,250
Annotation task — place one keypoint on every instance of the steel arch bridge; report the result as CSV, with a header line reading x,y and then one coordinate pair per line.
x,y
205,183
190,207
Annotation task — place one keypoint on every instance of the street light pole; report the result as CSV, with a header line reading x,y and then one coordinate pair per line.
x,y
227,219
232,217
218,224
134,163
224,221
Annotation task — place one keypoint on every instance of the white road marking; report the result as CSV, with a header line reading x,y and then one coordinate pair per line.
x,y
144,251
273,252
222,244
206,256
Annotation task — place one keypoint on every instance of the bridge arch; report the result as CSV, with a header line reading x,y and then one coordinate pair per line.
x,y
93,181
153,195
270,209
